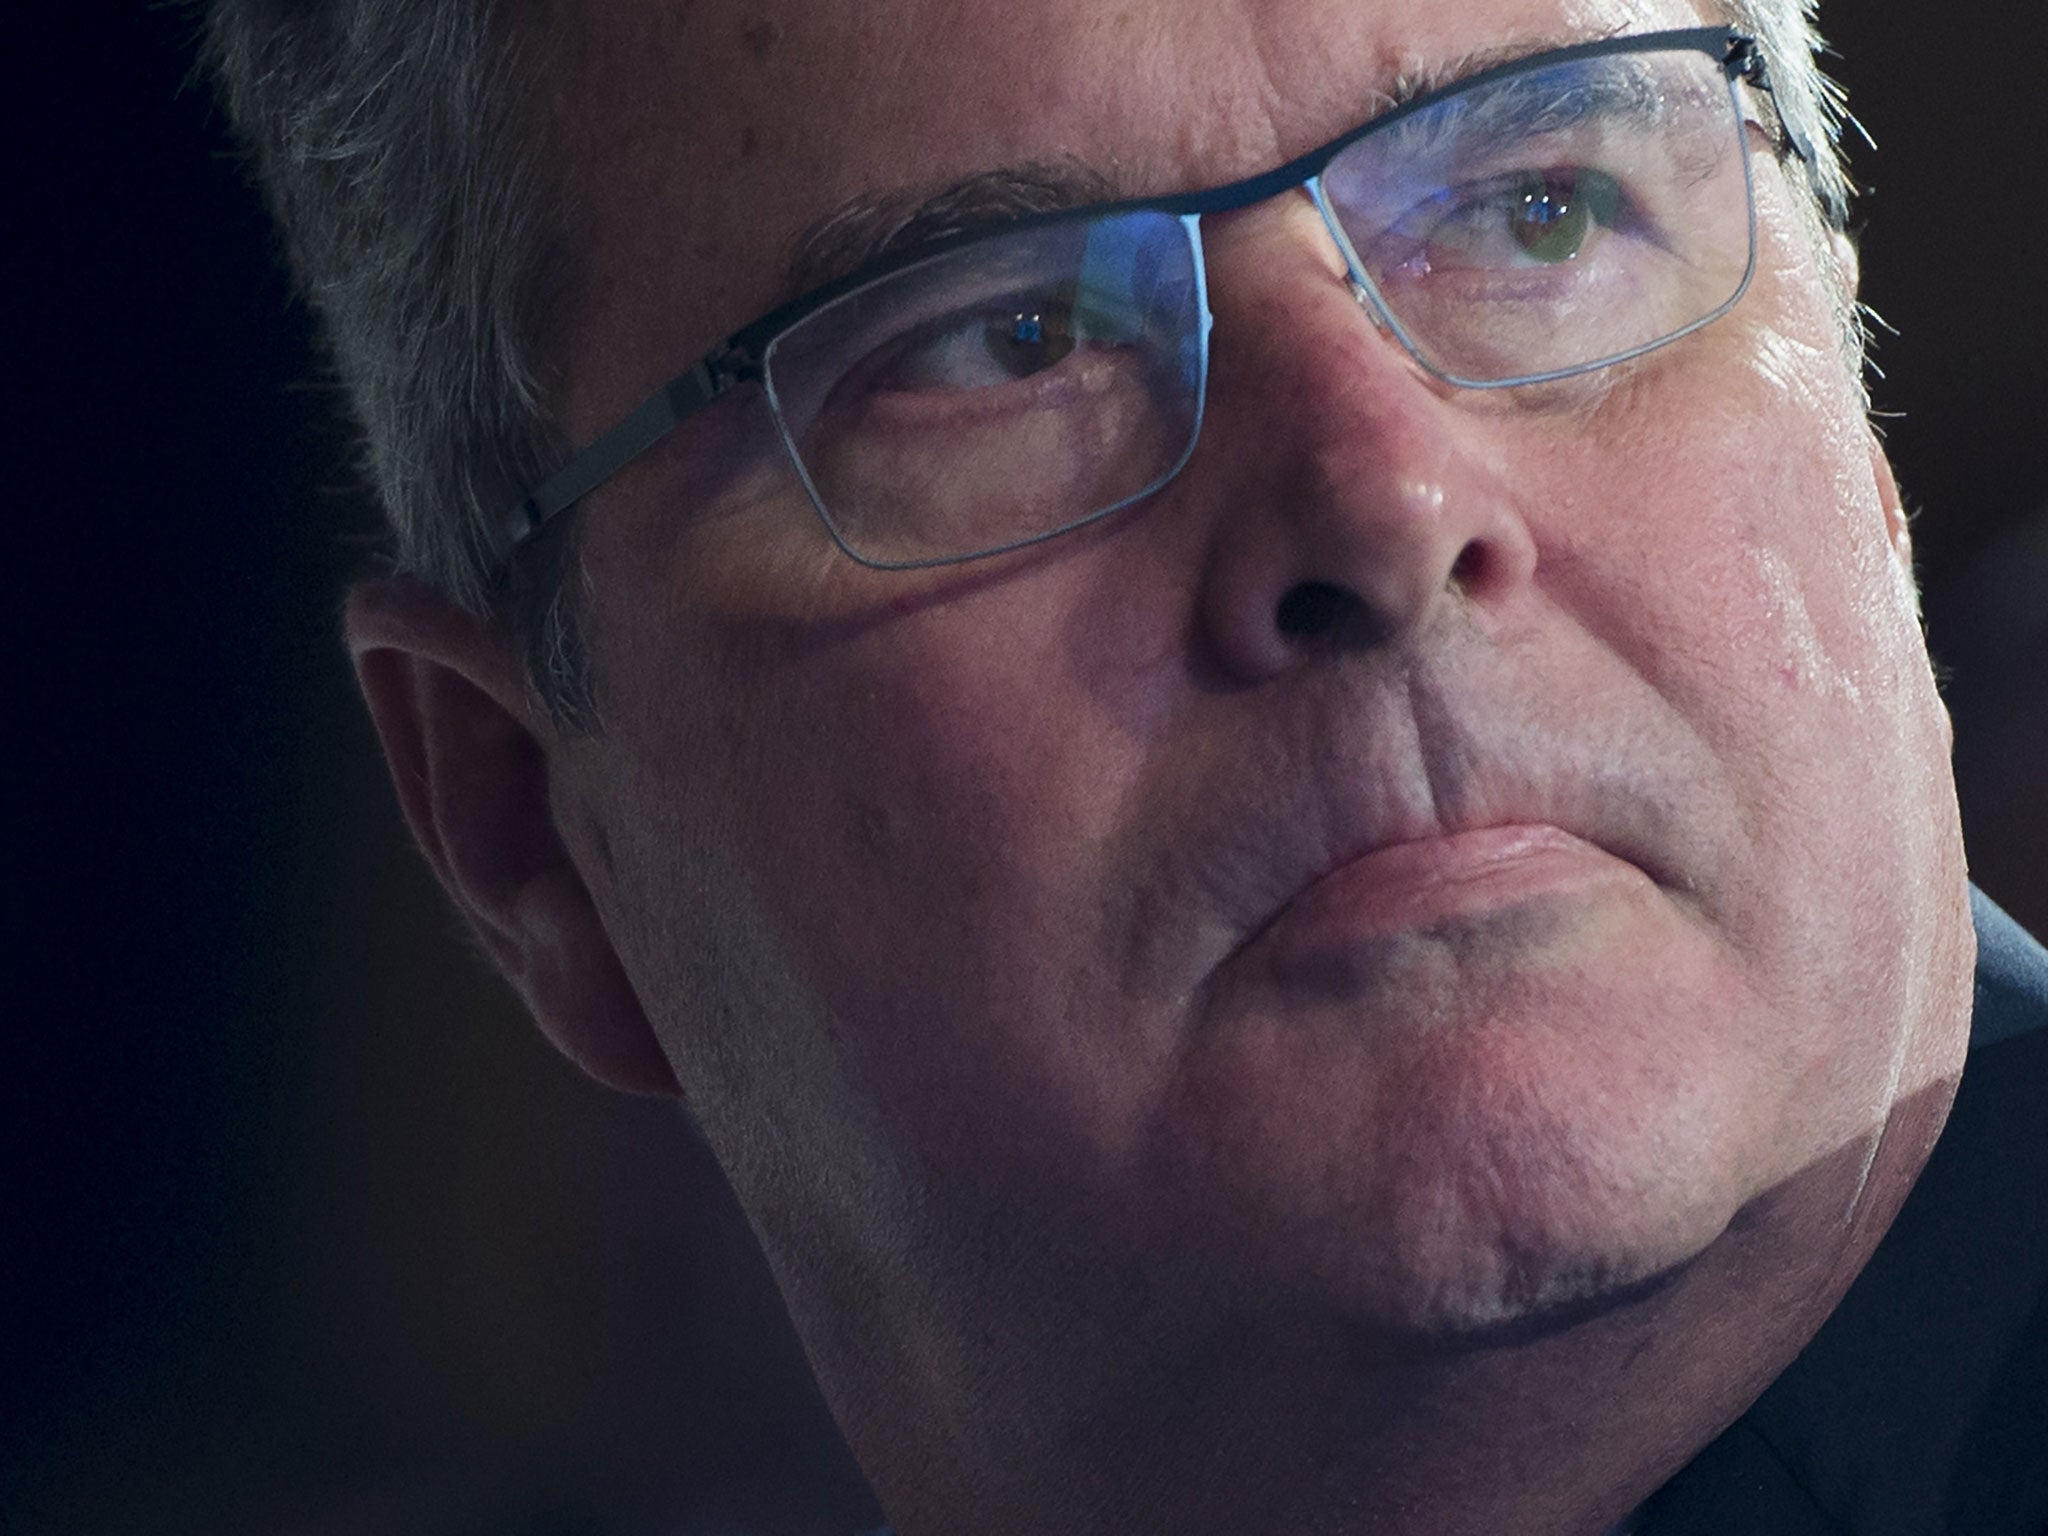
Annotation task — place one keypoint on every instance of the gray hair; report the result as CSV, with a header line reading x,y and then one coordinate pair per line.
x,y
396,145
1810,104
402,155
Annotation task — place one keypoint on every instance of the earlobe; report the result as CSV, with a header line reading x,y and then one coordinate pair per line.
x,y
470,756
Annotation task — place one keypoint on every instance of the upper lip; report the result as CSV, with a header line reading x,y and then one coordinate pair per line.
x,y
1396,765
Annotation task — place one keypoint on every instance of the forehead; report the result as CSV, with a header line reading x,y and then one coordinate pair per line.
x,y
700,140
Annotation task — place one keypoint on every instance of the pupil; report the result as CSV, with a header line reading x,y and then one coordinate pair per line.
x,y
1029,342
1550,222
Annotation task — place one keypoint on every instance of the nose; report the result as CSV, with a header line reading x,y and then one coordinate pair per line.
x,y
1349,499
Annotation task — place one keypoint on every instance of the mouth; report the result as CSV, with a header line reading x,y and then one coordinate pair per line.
x,y
1401,821
1431,883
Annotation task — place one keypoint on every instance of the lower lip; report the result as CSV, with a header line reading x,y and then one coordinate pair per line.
x,y
1407,887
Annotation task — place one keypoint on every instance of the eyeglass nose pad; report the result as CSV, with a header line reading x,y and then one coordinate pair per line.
x,y
1366,302
1356,279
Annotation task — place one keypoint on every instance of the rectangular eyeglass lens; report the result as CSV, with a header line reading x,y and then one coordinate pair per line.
x,y
1556,218
997,392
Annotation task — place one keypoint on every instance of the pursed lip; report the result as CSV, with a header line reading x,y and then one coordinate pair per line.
x,y
1419,882
1377,807
1406,885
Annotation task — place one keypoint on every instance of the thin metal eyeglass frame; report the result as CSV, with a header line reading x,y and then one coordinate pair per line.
x,y
742,358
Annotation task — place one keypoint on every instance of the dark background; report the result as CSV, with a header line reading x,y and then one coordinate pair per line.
x,y
309,1231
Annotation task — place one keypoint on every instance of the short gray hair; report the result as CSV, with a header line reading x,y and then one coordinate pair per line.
x,y
399,147
1809,102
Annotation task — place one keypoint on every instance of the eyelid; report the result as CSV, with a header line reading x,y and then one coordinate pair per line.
x,y
1091,325
913,408
884,333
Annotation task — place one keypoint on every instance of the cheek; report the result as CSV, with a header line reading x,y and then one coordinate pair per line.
x,y
923,812
1726,532
1732,550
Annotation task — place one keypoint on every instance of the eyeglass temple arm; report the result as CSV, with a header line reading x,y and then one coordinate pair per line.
x,y
674,403
1745,61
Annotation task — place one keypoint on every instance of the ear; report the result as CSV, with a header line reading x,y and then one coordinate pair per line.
x,y
1896,524
471,753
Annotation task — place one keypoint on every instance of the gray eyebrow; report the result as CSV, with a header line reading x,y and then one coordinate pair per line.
x,y
877,224
1614,89
1420,80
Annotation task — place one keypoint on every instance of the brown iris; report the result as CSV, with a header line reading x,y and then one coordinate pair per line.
x,y
1031,340
1554,214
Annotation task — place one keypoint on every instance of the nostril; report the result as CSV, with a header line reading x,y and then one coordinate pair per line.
x,y
1468,567
1313,609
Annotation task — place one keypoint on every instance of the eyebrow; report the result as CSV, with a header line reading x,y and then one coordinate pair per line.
x,y
873,225
1616,89
1420,80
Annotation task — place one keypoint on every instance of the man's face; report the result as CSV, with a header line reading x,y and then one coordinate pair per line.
x,y
1082,913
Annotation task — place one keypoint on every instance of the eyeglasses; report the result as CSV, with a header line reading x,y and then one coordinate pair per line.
x,y
1534,221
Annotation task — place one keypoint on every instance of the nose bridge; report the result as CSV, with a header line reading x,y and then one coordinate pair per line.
x,y
1312,189
1339,476
1293,323
1288,208
1260,222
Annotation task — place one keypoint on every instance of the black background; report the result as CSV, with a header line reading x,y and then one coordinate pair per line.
x,y
310,1230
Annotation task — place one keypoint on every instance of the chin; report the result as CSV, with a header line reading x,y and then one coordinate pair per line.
x,y
1467,1290
1530,1199
1509,1181
1505,1235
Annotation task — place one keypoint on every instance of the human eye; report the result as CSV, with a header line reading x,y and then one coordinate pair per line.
x,y
1003,340
1529,219
1000,389
1567,215
1064,319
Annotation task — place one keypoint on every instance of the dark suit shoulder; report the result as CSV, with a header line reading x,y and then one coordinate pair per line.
x,y
1921,1406
2012,977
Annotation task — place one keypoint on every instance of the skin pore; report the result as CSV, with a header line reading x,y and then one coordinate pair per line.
x,y
1128,1160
